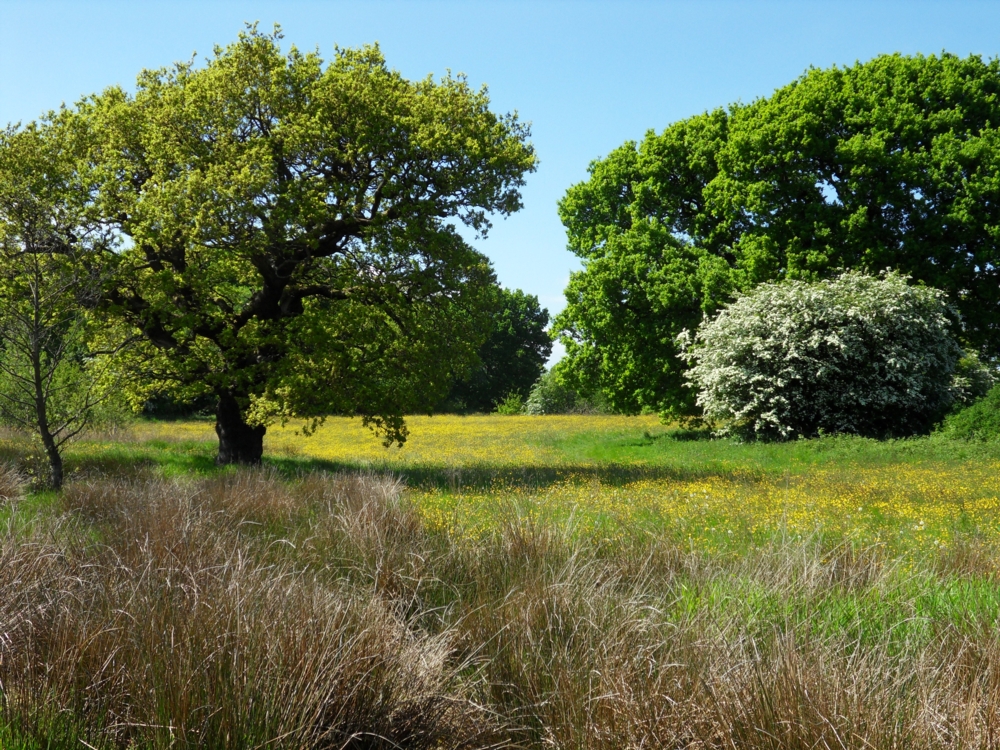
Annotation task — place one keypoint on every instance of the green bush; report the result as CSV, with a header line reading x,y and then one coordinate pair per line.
x,y
979,421
551,395
511,405
857,354
972,380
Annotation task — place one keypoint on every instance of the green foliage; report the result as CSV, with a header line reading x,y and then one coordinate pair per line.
x,y
58,367
857,354
288,224
511,359
551,394
511,405
973,379
892,163
979,421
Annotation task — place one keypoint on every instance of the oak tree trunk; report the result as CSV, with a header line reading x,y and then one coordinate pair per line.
x,y
239,443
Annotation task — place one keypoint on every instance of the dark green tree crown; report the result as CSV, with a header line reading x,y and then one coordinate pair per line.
x,y
511,359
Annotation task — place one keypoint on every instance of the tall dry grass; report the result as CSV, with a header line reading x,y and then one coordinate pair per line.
x,y
247,611
149,616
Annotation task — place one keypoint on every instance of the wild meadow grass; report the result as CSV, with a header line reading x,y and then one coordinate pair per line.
x,y
577,582
607,477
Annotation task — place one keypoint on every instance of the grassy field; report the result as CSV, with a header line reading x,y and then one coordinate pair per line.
x,y
609,476
570,582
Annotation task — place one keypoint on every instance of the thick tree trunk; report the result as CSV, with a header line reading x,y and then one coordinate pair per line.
x,y
239,443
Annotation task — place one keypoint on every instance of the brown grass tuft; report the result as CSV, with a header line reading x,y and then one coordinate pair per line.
x,y
12,483
246,611
172,632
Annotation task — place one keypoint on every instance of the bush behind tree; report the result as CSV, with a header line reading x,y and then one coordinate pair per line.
x,y
979,421
857,354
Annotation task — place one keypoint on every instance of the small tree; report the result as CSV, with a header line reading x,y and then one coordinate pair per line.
x,y
56,365
857,354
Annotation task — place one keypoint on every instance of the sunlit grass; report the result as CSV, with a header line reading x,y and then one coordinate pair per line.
x,y
597,582
901,506
452,441
610,478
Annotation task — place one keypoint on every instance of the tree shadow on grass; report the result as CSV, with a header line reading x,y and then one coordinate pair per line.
x,y
677,434
192,458
530,476
131,463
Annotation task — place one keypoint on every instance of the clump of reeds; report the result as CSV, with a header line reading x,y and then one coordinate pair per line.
x,y
12,483
170,630
251,611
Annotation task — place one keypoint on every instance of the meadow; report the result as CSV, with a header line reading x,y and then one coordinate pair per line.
x,y
570,582
608,477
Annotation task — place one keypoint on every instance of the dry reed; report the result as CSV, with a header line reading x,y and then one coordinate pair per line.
x,y
172,631
247,611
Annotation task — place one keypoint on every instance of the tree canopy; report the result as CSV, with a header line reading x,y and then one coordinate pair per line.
x,y
513,356
287,239
892,163
57,367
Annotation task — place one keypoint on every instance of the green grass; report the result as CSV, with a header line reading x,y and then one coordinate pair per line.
x,y
613,477
729,589
622,453
695,453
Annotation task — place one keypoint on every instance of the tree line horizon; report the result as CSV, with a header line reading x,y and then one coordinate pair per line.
x,y
273,234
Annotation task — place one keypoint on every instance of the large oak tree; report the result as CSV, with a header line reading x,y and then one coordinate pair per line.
x,y
892,163
288,230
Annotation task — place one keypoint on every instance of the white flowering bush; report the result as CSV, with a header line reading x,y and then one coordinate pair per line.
x,y
858,354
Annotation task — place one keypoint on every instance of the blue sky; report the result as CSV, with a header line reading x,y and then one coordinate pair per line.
x,y
588,75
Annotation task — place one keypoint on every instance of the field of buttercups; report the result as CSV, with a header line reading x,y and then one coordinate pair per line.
x,y
598,474
568,582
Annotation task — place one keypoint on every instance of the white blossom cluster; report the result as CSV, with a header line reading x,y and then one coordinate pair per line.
x,y
857,354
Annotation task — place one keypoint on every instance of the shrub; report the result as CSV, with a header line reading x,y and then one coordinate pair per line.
x,y
978,421
857,354
972,380
511,405
551,395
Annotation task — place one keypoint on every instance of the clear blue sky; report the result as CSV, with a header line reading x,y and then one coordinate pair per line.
x,y
588,75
